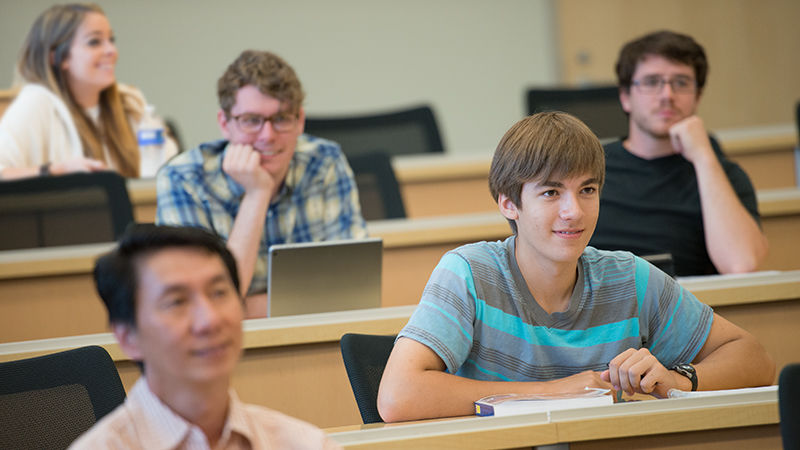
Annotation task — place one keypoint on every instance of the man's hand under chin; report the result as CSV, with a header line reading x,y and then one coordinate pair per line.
x,y
689,138
243,164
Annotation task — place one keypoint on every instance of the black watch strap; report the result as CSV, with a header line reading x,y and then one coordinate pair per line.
x,y
688,371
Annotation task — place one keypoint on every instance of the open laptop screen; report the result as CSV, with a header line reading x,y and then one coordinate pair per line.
x,y
314,277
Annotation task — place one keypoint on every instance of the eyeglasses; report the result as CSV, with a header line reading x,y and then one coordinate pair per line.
x,y
653,84
253,123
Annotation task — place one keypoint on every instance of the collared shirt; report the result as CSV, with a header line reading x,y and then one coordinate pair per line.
x,y
144,422
317,202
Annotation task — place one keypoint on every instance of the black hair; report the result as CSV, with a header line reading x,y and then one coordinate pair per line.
x,y
115,273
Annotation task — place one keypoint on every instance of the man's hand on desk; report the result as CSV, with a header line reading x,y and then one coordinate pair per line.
x,y
579,382
638,371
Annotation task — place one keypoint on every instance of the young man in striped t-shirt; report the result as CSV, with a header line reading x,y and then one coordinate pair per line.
x,y
542,312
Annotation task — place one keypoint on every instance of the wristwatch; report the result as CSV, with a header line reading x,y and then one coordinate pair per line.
x,y
44,170
688,371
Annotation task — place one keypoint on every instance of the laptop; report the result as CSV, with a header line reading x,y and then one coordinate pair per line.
x,y
315,277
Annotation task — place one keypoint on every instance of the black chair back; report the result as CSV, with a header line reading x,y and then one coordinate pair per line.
x,y
378,191
397,133
797,119
598,107
365,357
789,405
48,401
70,209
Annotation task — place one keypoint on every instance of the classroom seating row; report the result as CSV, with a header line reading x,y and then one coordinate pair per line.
x,y
48,292
437,184
301,353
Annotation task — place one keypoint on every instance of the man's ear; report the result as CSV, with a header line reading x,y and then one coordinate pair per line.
x,y
507,208
222,121
301,119
128,340
625,99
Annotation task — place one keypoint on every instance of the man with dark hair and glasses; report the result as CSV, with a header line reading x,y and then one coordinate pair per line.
x,y
266,183
669,188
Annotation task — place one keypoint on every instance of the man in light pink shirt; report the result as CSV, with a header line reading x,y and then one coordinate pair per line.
x,y
173,302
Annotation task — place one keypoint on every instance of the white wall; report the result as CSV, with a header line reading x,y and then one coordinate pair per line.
x,y
470,59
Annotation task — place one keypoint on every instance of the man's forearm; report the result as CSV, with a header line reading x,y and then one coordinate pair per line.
x,y
432,393
734,241
245,236
742,362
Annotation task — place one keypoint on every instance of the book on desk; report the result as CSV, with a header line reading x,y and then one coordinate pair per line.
x,y
511,404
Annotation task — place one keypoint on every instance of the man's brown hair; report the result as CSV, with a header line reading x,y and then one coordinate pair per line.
x,y
268,72
675,47
541,147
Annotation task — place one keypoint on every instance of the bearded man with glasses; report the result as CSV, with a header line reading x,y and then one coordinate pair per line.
x,y
266,182
669,188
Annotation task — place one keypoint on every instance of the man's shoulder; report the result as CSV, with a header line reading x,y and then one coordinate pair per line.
x,y
484,251
601,263
597,256
617,157
201,160
613,147
732,169
310,147
482,261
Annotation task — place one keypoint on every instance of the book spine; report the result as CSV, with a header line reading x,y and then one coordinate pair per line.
x,y
482,409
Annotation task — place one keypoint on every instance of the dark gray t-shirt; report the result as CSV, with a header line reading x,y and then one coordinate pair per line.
x,y
653,206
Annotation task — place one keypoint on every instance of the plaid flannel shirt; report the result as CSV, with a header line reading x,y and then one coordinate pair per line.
x,y
318,200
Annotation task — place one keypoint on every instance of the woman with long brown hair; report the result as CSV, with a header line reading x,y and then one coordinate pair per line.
x,y
72,115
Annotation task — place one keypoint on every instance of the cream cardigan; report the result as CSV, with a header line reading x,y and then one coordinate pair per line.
x,y
37,128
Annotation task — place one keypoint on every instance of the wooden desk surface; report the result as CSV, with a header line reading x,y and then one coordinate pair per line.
x,y
715,291
757,411
258,333
758,139
778,202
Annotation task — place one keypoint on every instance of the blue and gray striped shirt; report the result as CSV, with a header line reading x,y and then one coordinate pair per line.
x,y
478,315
